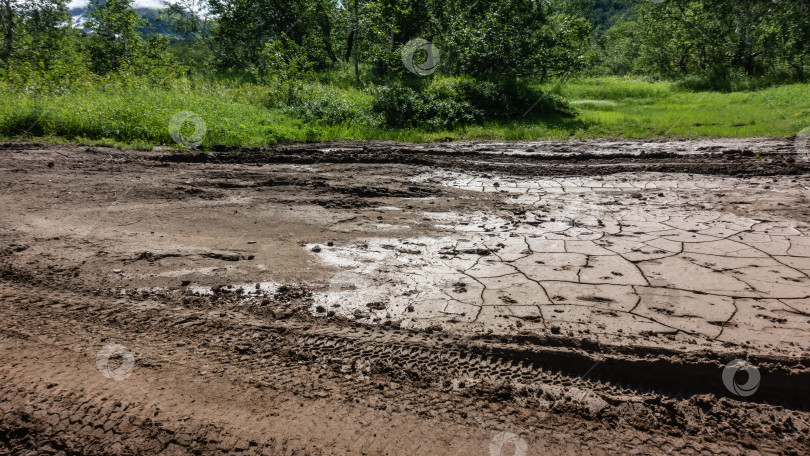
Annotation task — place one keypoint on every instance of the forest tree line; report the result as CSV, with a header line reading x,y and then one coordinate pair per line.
x,y
716,39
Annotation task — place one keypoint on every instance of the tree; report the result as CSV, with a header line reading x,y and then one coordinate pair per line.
x,y
116,42
8,22
289,65
33,30
115,37
718,39
501,37
237,31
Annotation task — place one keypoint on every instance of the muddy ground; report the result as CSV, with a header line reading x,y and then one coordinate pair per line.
x,y
381,298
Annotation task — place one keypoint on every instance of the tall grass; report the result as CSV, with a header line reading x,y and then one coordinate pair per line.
x,y
127,113
241,114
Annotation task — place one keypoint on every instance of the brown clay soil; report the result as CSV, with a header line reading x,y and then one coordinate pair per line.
x,y
381,298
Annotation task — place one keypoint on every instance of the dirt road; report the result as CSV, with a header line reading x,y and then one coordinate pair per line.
x,y
380,298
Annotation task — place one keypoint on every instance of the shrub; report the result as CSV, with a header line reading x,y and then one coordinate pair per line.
x,y
328,108
449,102
403,107
331,106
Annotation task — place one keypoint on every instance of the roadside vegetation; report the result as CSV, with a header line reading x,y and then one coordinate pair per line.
x,y
349,71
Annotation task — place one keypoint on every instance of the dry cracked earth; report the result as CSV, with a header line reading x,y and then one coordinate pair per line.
x,y
379,298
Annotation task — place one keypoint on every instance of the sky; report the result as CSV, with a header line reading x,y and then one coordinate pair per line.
x,y
135,4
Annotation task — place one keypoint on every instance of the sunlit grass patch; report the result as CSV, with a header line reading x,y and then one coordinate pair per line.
x,y
600,105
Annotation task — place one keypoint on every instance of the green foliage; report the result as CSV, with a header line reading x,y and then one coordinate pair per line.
x,y
503,37
238,31
317,104
450,102
507,98
638,108
514,38
116,43
613,89
717,41
402,107
35,41
284,62
53,75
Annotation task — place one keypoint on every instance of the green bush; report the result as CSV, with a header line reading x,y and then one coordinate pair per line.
x,y
450,102
403,107
330,106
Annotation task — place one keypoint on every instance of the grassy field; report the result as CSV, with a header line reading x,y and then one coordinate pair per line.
x,y
133,114
622,107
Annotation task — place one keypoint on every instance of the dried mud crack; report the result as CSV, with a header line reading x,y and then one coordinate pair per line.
x,y
381,298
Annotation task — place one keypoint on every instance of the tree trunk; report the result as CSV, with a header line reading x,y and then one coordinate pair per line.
x,y
7,24
326,30
330,52
126,58
356,42
349,45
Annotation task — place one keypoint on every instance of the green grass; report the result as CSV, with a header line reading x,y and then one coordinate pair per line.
x,y
138,114
251,115
614,107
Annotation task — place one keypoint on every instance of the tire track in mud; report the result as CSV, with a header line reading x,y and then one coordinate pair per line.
x,y
549,383
438,355
526,366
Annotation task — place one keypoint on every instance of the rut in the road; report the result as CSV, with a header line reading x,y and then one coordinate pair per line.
x,y
541,378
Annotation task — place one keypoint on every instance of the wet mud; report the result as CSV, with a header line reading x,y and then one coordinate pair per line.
x,y
593,297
